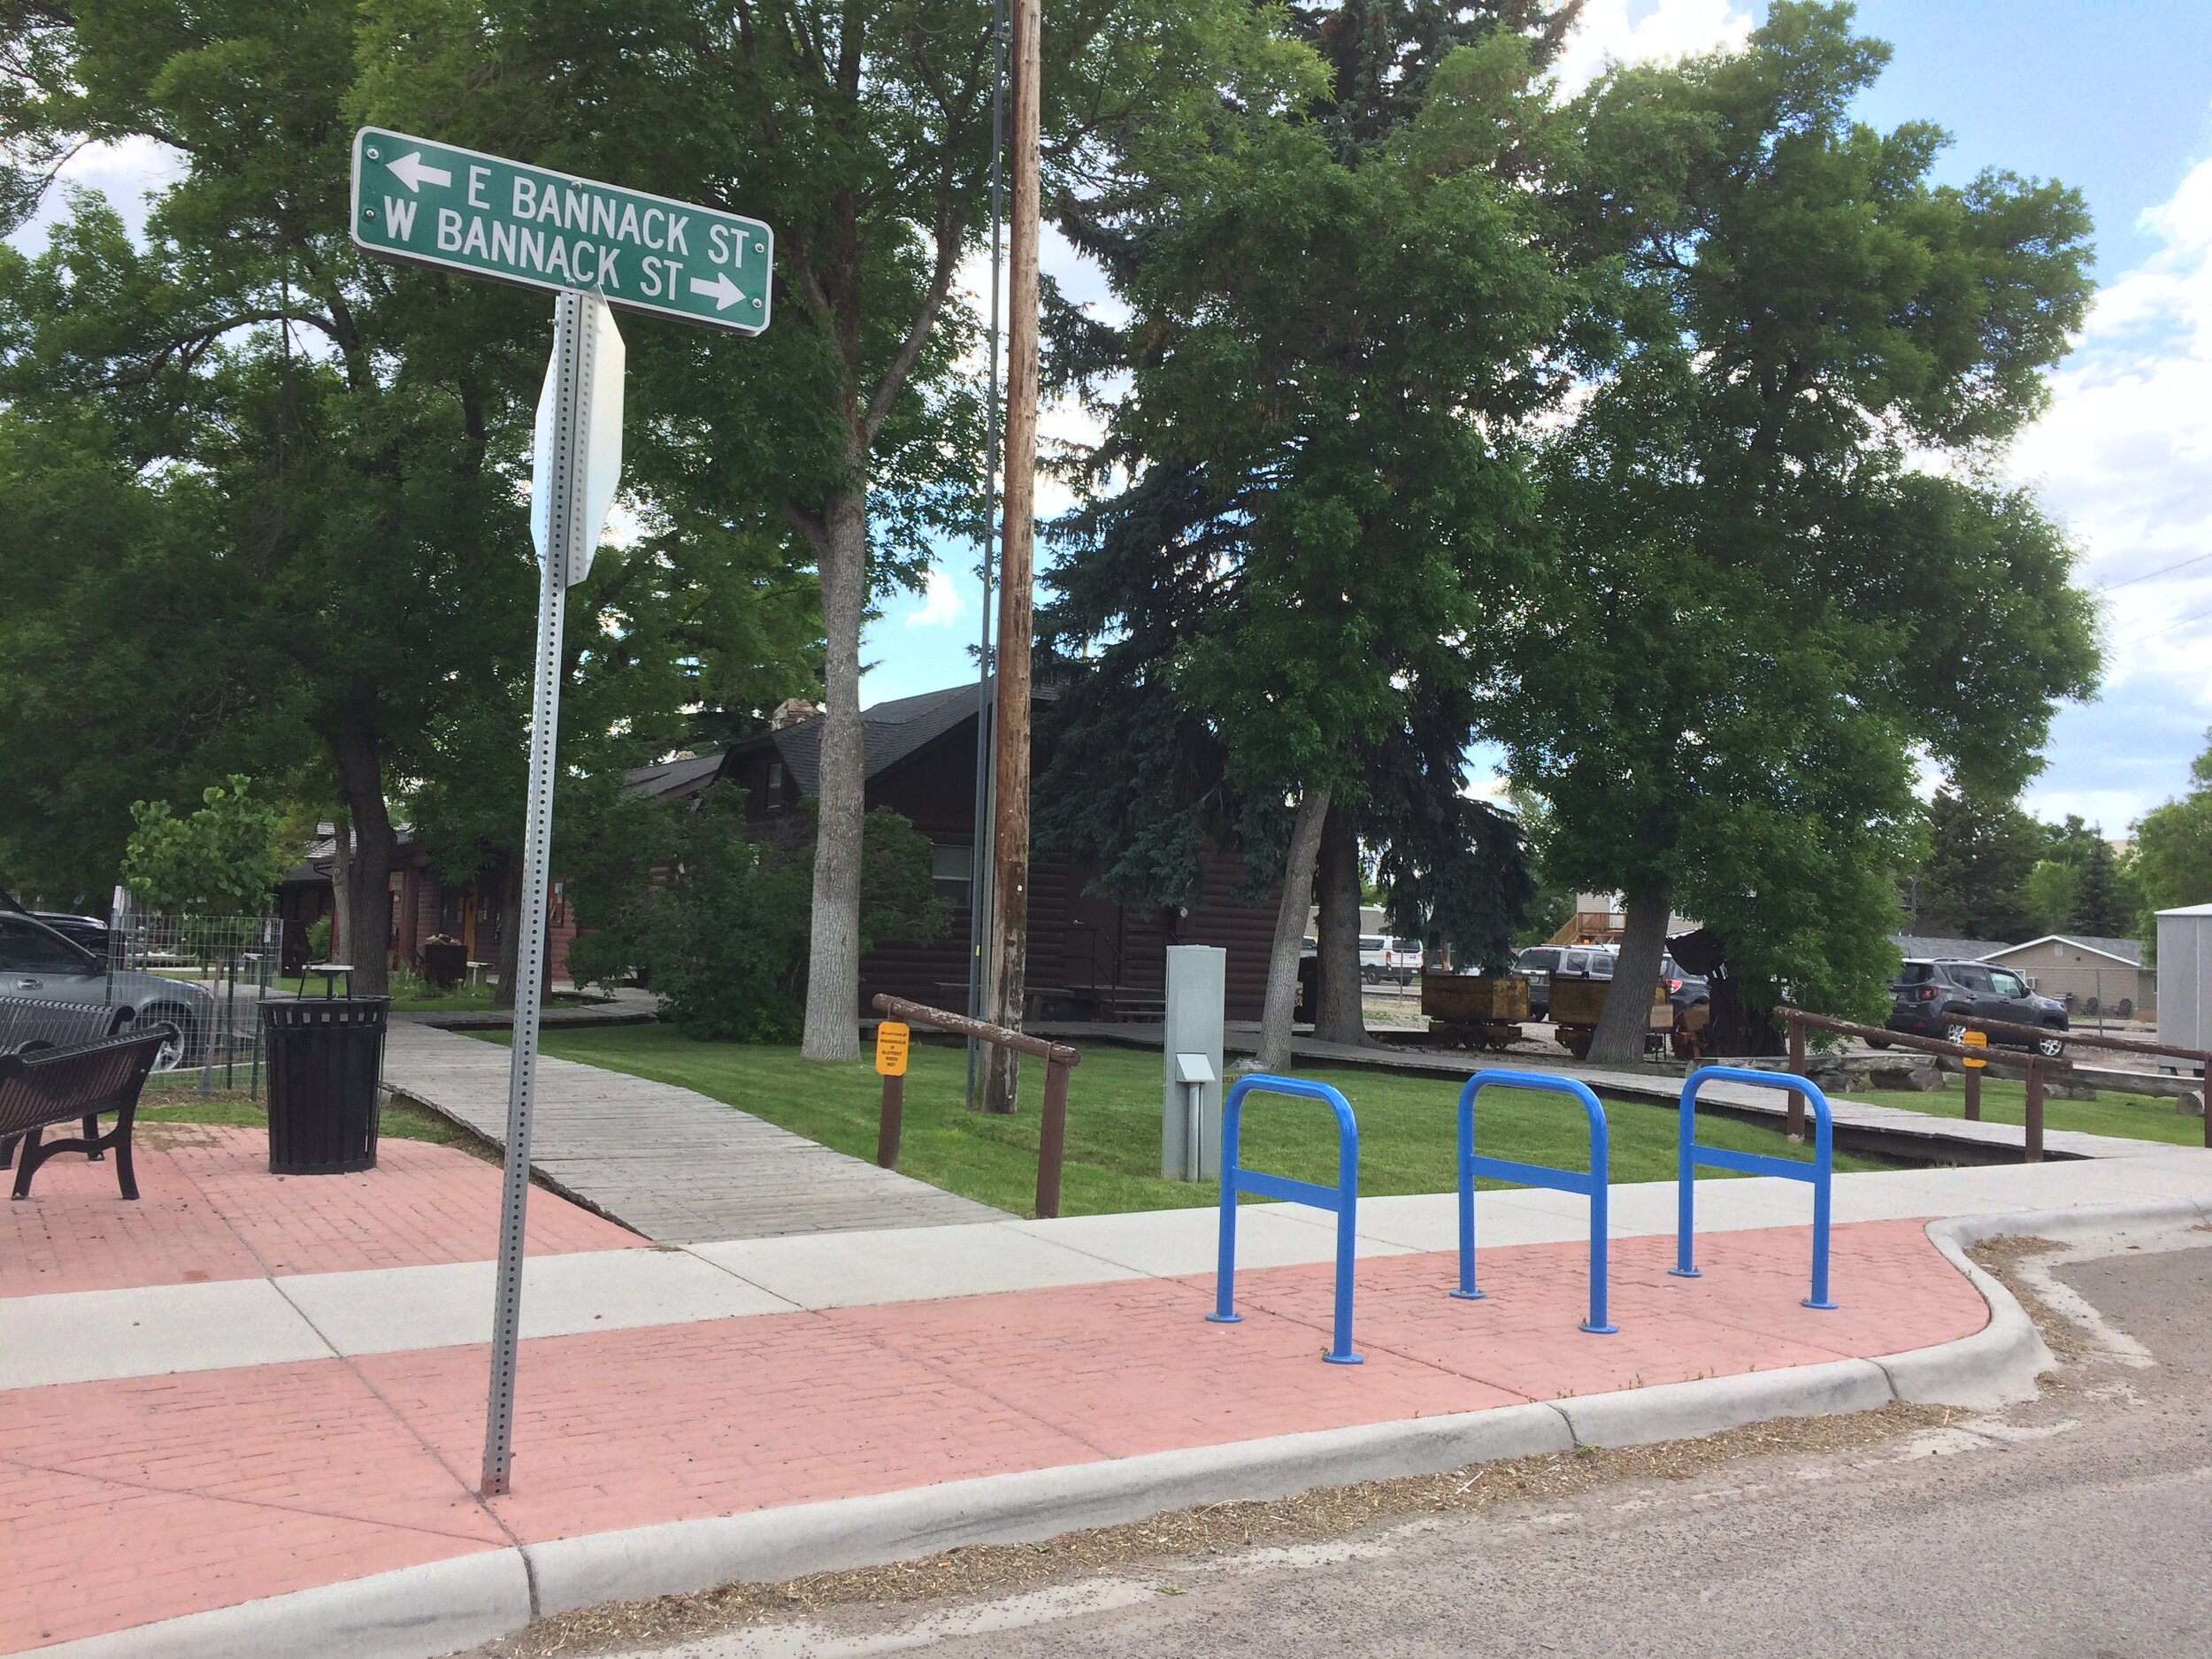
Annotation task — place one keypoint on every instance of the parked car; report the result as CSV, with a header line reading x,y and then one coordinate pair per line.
x,y
39,965
1685,990
1382,958
1932,997
1539,965
89,930
1403,960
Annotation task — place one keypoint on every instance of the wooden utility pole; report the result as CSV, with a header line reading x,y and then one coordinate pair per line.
x,y
1009,834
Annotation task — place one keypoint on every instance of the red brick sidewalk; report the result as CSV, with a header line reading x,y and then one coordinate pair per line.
x,y
256,1482
208,1210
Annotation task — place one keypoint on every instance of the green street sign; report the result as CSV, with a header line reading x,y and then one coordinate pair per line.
x,y
435,205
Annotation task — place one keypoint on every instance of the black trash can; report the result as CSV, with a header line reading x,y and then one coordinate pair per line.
x,y
325,1056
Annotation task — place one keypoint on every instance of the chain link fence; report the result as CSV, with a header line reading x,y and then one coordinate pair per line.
x,y
222,967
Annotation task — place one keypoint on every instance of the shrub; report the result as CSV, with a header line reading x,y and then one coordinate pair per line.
x,y
717,923
225,859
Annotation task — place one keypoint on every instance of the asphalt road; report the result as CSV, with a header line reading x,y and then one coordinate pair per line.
x,y
2078,1525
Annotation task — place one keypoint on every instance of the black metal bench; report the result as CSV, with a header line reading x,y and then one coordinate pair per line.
x,y
28,1023
47,1087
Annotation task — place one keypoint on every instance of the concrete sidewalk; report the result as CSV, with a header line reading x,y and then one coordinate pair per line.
x,y
282,1478
670,1163
221,1265
282,1381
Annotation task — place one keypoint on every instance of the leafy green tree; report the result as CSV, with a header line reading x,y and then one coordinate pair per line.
x,y
115,583
344,438
2172,854
862,134
1757,609
2081,886
1319,494
2051,888
303,468
1981,857
224,859
684,627
2108,902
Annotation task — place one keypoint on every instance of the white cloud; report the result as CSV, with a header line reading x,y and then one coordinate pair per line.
x,y
2124,456
942,603
124,171
1637,31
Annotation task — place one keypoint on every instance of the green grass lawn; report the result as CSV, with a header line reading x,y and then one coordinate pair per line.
x,y
175,1098
1408,1137
414,996
418,998
2005,1101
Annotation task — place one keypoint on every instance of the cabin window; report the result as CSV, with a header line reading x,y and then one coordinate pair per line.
x,y
775,777
951,873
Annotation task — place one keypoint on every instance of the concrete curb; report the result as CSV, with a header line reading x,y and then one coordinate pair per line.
x,y
1675,1412
1998,1365
772,1544
442,1607
415,1613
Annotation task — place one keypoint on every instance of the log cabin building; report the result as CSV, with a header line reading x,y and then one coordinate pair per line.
x,y
1089,957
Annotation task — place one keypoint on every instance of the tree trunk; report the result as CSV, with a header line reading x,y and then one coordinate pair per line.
x,y
341,884
1290,932
509,966
368,895
833,985
1619,1038
1340,1013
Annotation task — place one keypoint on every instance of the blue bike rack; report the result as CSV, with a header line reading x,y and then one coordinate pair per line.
x,y
1343,1199
1591,1186
1820,1173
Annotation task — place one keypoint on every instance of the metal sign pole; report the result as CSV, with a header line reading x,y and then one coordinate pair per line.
x,y
573,337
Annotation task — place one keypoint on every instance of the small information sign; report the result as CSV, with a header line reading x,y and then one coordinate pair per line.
x,y
1974,1040
892,1039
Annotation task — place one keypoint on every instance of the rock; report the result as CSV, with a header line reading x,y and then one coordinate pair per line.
x,y
1845,1074
1920,1079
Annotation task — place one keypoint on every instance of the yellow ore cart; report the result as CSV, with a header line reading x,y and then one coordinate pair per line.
x,y
1575,1004
1472,1011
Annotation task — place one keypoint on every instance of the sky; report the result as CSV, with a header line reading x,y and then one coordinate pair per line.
x,y
2113,97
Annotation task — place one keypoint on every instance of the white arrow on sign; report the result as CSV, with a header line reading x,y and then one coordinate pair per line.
x,y
722,291
411,171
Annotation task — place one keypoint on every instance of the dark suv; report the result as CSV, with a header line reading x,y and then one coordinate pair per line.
x,y
1934,998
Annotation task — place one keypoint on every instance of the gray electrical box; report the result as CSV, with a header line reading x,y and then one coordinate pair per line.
x,y
1197,985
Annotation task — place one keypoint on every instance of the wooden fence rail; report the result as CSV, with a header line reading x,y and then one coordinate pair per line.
x,y
1052,1132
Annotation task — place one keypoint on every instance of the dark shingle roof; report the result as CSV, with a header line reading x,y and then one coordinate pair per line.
x,y
1916,947
687,776
893,730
